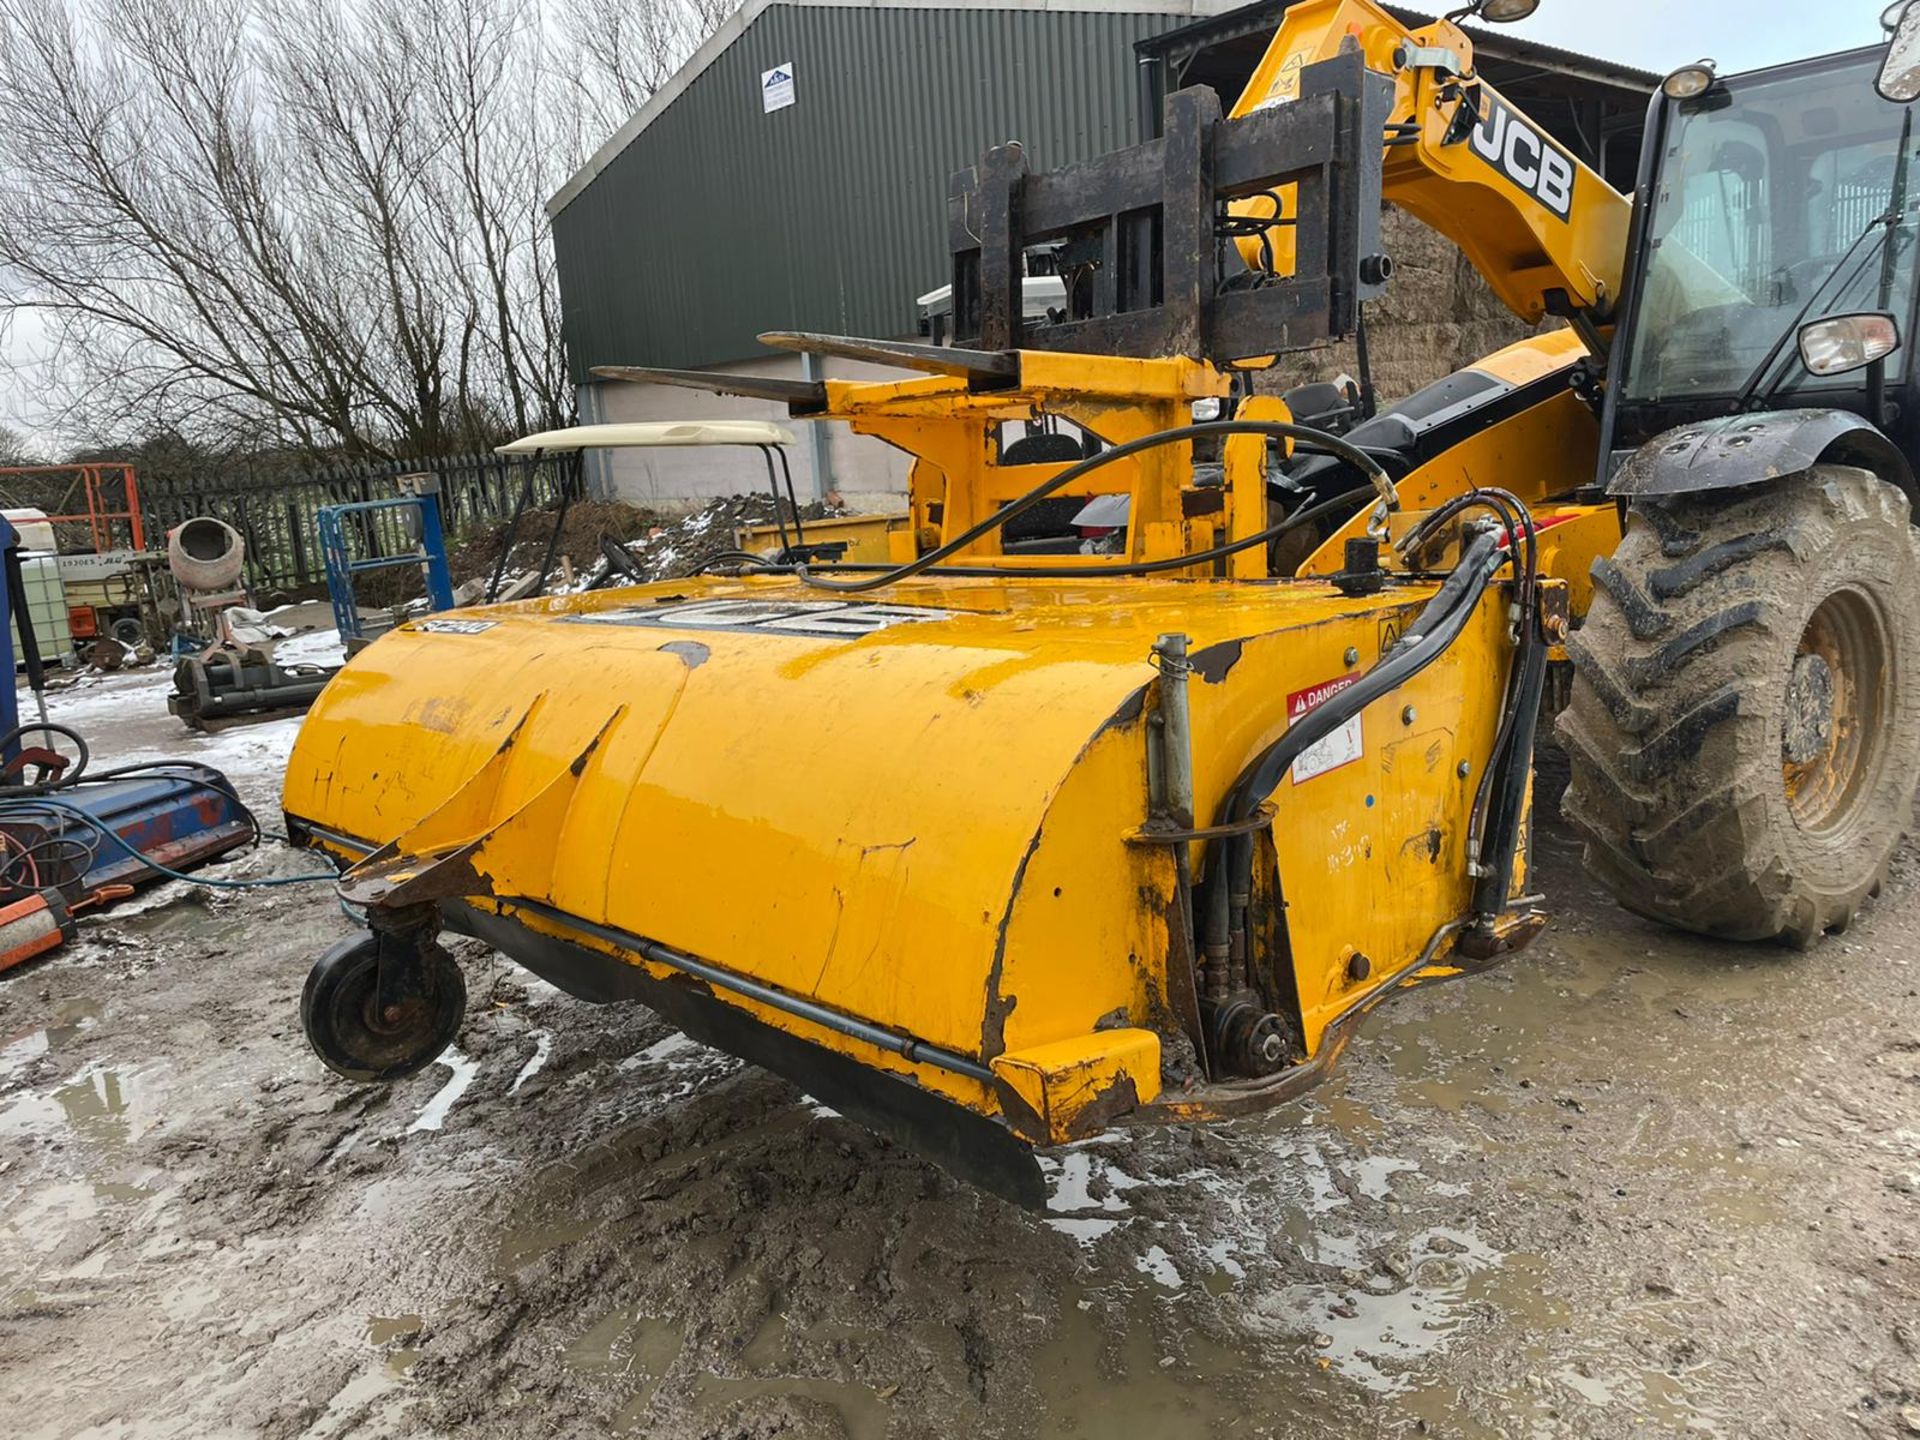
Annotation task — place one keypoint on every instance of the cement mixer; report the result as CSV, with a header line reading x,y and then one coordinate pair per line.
x,y
207,557
228,682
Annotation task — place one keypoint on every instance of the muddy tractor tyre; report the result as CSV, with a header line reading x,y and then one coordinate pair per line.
x,y
1743,737
355,1036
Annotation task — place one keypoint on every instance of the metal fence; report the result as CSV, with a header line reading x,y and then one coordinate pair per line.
x,y
275,515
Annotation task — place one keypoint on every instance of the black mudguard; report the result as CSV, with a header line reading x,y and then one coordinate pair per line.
x,y
1755,448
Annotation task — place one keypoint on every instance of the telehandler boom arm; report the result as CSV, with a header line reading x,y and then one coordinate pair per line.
x,y
1548,233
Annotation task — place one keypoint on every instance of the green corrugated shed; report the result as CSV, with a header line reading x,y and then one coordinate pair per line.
x,y
708,219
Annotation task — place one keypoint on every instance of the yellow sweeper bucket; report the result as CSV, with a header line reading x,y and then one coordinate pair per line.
x,y
890,850
940,855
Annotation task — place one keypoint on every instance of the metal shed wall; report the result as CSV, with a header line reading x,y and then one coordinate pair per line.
x,y
719,221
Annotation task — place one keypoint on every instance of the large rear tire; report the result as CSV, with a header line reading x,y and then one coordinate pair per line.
x,y
1743,736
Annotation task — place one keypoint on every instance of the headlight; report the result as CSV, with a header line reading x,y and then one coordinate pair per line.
x,y
1505,12
1846,342
1688,81
1206,410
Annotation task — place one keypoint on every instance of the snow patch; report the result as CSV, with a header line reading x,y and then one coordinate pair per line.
x,y
435,1114
1158,1266
542,1048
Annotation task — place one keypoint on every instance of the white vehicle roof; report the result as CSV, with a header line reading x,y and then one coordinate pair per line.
x,y
660,432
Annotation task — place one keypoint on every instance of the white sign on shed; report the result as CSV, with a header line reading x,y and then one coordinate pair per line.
x,y
776,88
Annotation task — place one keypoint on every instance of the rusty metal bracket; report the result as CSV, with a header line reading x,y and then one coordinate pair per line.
x,y
1153,834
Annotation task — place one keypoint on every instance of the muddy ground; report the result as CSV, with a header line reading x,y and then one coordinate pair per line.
x,y
1635,1184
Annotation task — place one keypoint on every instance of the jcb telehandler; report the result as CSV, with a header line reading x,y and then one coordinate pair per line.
x,y
1003,842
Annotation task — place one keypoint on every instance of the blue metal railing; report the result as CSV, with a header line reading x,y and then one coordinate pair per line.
x,y
430,556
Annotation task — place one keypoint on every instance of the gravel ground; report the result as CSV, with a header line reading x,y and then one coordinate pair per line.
x,y
1633,1184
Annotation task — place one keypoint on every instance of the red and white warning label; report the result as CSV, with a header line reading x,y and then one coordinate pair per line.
x,y
1341,747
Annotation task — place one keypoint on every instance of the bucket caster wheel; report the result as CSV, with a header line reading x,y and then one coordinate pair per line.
x,y
382,1006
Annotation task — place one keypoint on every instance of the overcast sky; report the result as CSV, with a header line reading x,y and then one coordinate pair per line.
x,y
1652,34
1660,34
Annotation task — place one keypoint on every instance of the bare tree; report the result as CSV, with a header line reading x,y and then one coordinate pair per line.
x,y
314,225
16,449
630,51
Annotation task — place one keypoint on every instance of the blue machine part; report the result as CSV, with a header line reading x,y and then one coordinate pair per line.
x,y
337,554
178,816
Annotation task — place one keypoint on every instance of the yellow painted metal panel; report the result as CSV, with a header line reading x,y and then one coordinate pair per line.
x,y
867,537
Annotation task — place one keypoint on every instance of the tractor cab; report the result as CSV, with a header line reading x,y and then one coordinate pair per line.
x,y
1771,265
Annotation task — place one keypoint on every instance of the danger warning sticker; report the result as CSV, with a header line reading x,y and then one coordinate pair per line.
x,y
1341,747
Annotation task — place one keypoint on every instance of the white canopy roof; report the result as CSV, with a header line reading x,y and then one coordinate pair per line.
x,y
675,432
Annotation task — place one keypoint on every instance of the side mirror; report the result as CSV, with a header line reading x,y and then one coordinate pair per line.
x,y
1899,79
1840,343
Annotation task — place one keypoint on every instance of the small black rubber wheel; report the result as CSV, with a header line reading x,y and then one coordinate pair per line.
x,y
1744,727
350,1035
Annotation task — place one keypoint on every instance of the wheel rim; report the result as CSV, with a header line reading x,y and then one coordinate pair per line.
x,y
1836,692
354,1030
367,1036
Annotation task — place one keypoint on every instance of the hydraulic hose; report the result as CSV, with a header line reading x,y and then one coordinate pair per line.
x,y
1505,789
1273,429
1299,517
1437,626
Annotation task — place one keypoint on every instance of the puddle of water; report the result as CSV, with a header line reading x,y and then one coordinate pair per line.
x,y
1086,1231
101,1103
676,1050
1073,1176
1739,1191
862,1412
1589,1388
21,1051
1223,1279
1376,1332
517,1247
1115,1386
768,1348
383,1330
626,1346
160,918
637,1350
347,1402
435,1114
69,1018
1158,1267
120,1192
41,1218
